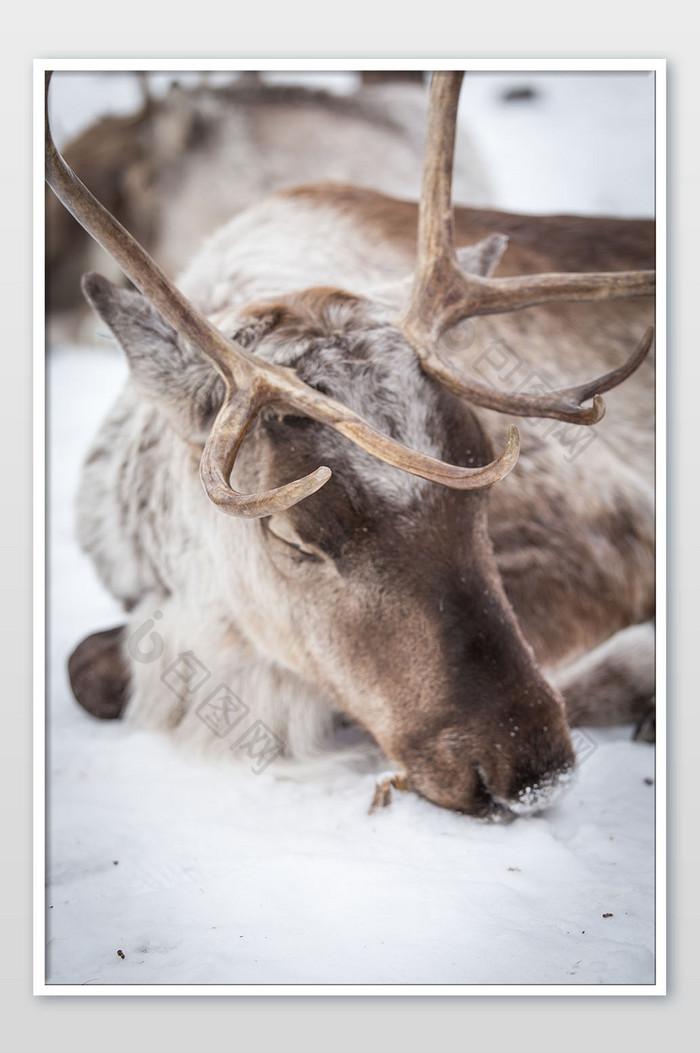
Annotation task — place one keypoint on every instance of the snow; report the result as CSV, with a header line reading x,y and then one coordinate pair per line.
x,y
201,874
584,143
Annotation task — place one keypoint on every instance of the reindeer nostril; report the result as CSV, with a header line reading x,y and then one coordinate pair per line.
x,y
484,805
540,793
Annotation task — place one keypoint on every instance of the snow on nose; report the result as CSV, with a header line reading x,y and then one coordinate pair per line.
x,y
541,794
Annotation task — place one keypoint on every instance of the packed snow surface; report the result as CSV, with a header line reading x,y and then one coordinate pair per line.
x,y
162,869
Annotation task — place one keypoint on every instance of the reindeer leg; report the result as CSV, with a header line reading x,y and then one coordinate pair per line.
x,y
382,791
99,674
646,729
613,684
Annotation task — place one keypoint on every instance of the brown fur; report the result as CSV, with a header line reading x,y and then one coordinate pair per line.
x,y
537,243
99,675
415,615
468,712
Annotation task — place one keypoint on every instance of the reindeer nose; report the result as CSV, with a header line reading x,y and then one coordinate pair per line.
x,y
535,780
447,772
540,793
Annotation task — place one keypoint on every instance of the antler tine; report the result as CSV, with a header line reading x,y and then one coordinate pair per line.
x,y
251,383
499,295
437,262
564,404
228,432
327,411
443,295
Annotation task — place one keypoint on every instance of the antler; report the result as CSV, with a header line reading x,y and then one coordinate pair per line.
x,y
442,294
251,383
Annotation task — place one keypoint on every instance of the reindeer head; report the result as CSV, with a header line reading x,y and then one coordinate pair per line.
x,y
381,579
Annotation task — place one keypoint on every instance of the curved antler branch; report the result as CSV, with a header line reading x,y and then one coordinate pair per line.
x,y
228,432
564,404
443,294
469,295
353,427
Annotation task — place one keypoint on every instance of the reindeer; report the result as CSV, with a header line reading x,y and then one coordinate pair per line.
x,y
464,610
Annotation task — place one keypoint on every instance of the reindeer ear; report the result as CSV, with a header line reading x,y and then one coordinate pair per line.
x,y
164,368
484,257
481,259
142,332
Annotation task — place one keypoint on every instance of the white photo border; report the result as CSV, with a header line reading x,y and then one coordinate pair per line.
x,y
652,65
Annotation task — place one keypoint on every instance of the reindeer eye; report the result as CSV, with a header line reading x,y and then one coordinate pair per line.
x,y
280,532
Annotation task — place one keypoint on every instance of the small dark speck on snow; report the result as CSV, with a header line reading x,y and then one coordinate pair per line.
x,y
121,954
519,93
608,915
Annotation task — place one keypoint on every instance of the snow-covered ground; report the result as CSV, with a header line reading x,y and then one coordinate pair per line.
x,y
213,875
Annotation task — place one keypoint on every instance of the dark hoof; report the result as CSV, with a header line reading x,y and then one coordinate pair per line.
x,y
99,674
646,729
